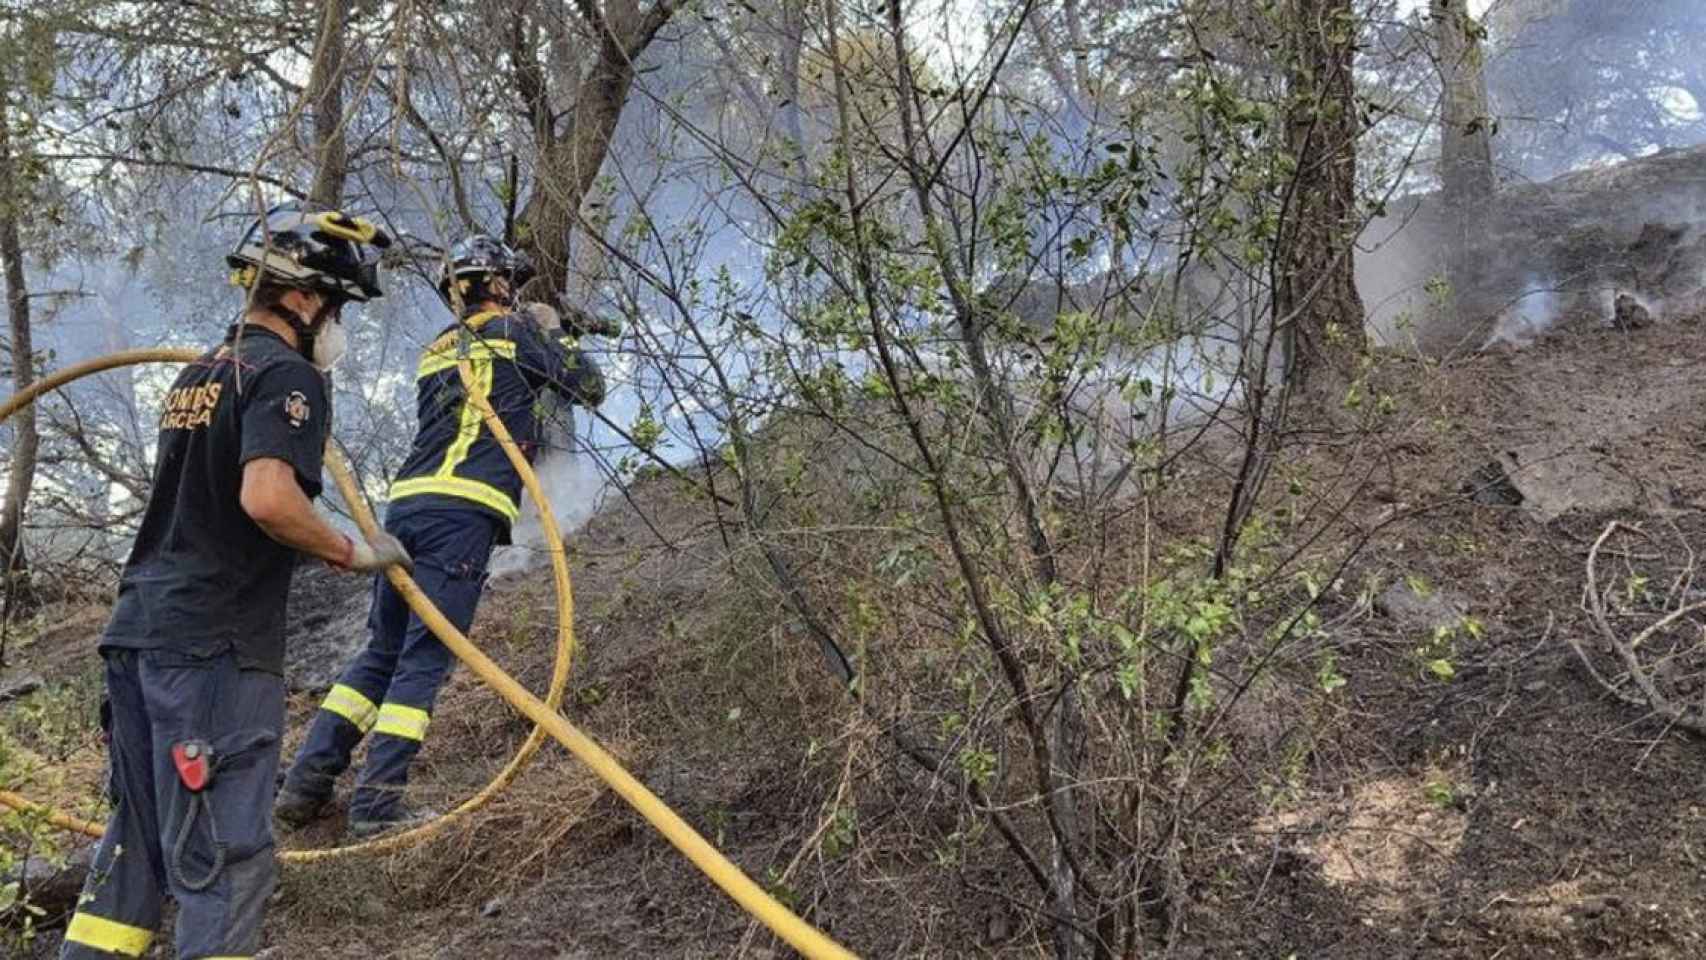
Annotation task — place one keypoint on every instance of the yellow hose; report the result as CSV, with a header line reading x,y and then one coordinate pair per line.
x,y
803,937
344,478
63,821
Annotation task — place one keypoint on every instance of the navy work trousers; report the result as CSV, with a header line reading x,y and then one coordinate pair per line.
x,y
220,868
390,687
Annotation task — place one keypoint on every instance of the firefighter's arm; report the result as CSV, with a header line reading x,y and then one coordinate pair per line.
x,y
275,501
560,363
585,380
273,498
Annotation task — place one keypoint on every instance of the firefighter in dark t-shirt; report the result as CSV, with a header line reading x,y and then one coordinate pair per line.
x,y
195,648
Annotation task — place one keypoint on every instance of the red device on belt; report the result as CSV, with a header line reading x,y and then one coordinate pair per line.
x,y
194,760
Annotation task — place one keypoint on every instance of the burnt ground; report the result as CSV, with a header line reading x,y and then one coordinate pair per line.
x,y
1516,811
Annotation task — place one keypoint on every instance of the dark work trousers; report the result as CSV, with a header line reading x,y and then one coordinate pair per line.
x,y
160,698
390,687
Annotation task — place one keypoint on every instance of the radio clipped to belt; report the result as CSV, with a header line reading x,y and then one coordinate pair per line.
x,y
196,765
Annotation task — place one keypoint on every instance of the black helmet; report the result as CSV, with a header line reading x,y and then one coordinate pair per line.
x,y
318,250
479,255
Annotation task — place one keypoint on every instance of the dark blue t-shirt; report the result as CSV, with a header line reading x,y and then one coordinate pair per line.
x,y
203,578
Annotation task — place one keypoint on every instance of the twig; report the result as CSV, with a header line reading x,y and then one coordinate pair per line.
x,y
1655,700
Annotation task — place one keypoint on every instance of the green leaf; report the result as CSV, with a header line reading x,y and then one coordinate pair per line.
x,y
1128,680
646,430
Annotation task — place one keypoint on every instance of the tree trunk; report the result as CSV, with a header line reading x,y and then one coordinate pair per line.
x,y
326,105
26,441
1315,294
1466,131
569,162
793,44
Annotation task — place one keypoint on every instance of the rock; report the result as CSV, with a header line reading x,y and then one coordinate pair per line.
x,y
325,624
1554,479
1491,485
20,686
49,887
1628,314
997,930
1422,611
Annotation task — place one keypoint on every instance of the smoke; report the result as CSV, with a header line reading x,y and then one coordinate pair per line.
x,y
575,487
1397,264
1528,317
1579,85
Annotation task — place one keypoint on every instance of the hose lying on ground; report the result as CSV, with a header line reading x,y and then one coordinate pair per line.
x,y
796,932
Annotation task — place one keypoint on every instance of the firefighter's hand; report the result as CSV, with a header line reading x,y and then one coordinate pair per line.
x,y
546,316
377,553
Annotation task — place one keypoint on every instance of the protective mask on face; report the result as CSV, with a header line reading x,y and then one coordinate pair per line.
x,y
329,343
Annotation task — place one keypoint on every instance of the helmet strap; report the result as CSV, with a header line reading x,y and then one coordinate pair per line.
x,y
307,330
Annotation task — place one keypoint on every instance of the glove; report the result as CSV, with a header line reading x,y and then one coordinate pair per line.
x,y
573,322
376,554
545,315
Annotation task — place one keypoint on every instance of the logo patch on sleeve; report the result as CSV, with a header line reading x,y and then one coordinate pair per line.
x,y
296,409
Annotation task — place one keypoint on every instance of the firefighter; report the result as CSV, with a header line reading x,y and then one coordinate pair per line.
x,y
194,651
454,499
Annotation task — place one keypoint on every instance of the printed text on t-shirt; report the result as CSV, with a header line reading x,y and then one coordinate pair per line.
x,y
190,408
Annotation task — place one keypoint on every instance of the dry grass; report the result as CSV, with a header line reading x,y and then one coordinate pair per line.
x,y
1389,843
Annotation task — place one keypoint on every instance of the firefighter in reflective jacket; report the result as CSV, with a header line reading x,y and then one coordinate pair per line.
x,y
453,500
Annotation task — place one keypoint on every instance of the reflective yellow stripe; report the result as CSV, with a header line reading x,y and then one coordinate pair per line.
x,y
450,343
468,430
481,493
347,702
108,935
401,721
442,356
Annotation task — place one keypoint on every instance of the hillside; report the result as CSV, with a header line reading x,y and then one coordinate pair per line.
x,y
1538,251
1515,810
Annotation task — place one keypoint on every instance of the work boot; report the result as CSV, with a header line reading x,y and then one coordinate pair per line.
x,y
297,810
399,817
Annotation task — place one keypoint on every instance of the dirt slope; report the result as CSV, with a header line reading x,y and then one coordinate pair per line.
x,y
1515,811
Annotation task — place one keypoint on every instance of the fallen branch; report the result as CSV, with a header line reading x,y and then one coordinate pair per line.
x,y
1651,697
